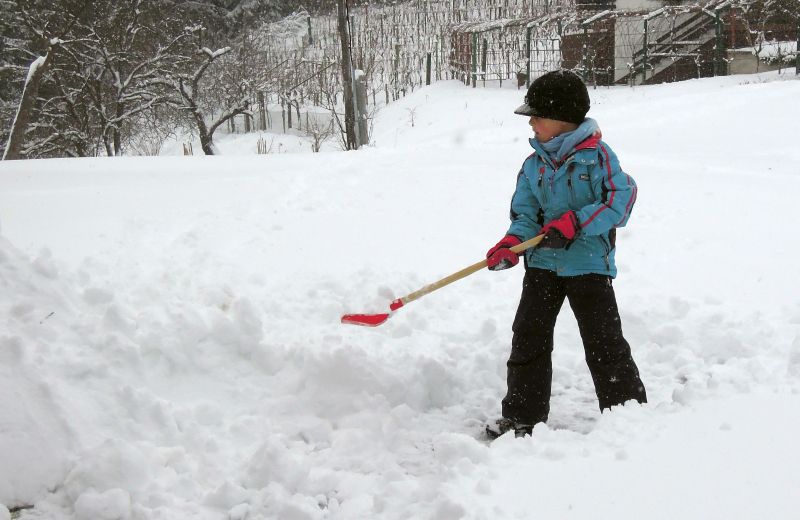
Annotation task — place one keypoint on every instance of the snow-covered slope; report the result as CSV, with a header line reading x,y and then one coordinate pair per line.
x,y
171,346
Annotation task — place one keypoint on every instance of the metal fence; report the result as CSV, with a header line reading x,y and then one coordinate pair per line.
x,y
608,47
403,46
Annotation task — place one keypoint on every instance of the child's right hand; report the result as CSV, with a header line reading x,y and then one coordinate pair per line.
x,y
500,256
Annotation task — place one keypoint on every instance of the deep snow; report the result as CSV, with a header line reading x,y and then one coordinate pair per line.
x,y
171,345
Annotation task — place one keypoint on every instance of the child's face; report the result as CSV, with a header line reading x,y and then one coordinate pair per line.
x,y
546,129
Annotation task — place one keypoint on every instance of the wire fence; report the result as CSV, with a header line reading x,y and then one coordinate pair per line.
x,y
403,46
611,47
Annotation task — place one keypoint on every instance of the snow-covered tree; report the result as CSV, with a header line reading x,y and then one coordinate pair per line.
x,y
96,71
38,31
209,100
131,47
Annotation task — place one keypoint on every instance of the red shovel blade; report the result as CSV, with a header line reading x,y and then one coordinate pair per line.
x,y
365,320
372,320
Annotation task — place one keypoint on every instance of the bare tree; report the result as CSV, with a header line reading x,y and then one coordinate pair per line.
x,y
318,131
194,99
131,59
97,82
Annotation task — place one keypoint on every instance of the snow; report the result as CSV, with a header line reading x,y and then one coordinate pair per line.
x,y
38,62
772,51
212,55
171,345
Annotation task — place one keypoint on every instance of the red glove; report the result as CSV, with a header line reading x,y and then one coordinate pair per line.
x,y
500,256
560,232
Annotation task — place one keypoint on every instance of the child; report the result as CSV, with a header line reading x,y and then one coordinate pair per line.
x,y
573,191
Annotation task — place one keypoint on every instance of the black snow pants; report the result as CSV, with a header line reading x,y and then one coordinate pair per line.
x,y
591,296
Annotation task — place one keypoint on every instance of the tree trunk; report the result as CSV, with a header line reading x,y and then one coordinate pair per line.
x,y
108,146
347,78
206,137
30,91
116,132
207,144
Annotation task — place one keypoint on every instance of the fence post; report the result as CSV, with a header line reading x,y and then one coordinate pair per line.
x,y
719,65
585,54
528,32
644,57
428,69
483,60
474,60
396,65
717,45
262,111
361,108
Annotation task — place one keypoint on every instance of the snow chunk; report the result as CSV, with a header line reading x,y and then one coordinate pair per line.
x,y
276,463
239,512
451,448
114,465
114,504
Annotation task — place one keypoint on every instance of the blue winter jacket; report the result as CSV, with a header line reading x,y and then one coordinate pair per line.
x,y
590,182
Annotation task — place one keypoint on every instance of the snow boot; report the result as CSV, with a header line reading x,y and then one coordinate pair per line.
x,y
503,425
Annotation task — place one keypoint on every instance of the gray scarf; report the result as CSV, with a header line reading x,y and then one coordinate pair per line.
x,y
561,145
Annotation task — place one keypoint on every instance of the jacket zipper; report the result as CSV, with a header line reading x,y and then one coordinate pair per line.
x,y
542,190
572,198
607,248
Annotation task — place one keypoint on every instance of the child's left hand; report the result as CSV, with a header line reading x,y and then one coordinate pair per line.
x,y
560,232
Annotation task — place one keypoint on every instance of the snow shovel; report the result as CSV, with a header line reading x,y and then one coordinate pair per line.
x,y
373,320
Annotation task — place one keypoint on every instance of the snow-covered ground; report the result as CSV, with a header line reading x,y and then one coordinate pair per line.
x,y
171,347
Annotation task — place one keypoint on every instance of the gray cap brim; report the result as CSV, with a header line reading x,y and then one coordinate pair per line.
x,y
524,110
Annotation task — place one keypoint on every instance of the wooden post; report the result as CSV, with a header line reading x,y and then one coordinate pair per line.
x,y
483,61
644,51
361,109
396,65
428,69
474,53
262,111
528,32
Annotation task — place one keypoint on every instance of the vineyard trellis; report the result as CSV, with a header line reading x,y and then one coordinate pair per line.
x,y
398,48
403,46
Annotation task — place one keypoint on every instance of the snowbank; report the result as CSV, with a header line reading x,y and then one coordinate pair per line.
x,y
171,345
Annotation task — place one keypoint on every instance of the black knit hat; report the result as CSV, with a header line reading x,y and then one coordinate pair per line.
x,y
559,95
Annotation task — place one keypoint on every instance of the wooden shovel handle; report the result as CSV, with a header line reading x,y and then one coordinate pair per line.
x,y
465,272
